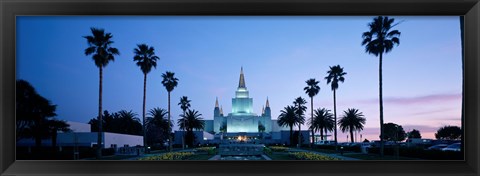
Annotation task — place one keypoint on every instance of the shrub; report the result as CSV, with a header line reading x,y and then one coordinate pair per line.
x,y
209,150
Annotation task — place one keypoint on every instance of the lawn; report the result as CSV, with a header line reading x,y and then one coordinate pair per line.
x,y
279,156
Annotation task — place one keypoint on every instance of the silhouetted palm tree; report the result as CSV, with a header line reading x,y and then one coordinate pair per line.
x,y
378,40
169,82
300,109
128,119
157,125
288,117
323,121
352,120
184,105
54,126
146,59
191,120
311,90
335,75
99,45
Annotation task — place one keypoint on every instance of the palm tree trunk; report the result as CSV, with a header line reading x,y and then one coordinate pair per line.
x,y
351,134
299,142
321,134
335,117
313,135
169,130
183,131
381,105
54,142
291,135
99,138
143,112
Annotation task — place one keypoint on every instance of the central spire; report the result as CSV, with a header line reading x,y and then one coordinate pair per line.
x,y
241,83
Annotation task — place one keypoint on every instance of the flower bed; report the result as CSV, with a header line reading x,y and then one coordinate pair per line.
x,y
278,148
169,156
310,156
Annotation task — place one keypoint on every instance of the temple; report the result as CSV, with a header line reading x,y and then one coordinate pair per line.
x,y
242,123
242,118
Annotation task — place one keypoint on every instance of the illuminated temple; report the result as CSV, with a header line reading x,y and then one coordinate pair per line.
x,y
242,118
242,123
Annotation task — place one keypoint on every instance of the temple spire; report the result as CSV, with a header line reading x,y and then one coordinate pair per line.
x,y
263,110
221,110
268,104
241,83
216,102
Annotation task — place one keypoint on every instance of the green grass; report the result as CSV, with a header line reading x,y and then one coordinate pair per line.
x,y
279,156
200,157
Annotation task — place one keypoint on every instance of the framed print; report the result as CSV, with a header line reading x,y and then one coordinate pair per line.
x,y
239,87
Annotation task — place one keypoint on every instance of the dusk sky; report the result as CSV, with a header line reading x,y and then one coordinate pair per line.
x,y
422,77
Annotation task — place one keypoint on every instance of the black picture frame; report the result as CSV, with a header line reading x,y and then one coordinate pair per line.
x,y
469,8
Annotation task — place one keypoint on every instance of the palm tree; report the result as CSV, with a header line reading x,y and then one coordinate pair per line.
x,y
54,126
169,82
335,74
157,125
352,120
300,109
378,40
191,120
99,46
128,119
323,121
288,118
184,105
311,90
146,59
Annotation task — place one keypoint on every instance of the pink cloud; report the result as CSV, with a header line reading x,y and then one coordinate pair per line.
x,y
416,100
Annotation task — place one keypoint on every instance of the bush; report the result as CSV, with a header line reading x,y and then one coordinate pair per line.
x,y
209,150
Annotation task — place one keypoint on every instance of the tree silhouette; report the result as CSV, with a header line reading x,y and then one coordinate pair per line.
x,y
323,121
335,75
449,133
146,59
169,82
288,117
157,126
380,39
99,46
393,132
190,121
54,126
184,105
311,90
300,109
33,113
414,134
352,120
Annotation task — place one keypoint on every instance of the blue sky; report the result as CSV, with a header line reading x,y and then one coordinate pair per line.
x,y
422,76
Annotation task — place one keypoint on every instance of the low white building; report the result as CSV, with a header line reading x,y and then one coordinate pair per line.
x,y
82,137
